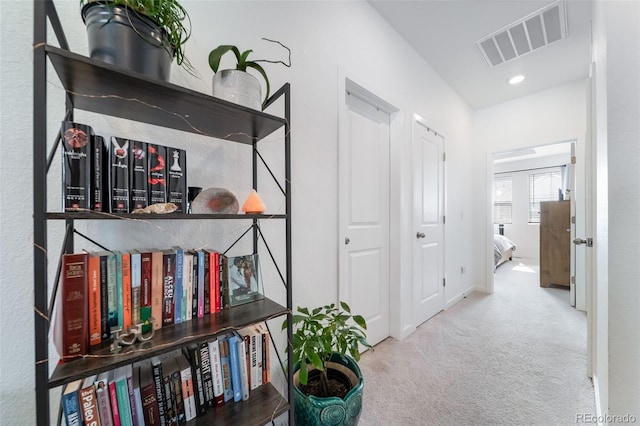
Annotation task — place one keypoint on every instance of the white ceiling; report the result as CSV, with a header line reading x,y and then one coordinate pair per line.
x,y
444,33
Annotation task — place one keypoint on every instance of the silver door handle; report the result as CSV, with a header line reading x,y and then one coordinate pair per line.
x,y
420,235
580,241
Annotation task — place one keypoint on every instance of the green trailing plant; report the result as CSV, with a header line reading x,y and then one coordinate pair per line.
x,y
168,14
322,332
243,62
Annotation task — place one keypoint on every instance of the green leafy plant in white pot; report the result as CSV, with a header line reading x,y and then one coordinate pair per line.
x,y
236,84
328,383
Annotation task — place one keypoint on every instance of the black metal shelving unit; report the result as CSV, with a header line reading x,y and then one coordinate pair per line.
x,y
105,89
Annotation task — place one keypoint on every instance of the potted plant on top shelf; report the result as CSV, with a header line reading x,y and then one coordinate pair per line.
x,y
237,85
328,384
141,35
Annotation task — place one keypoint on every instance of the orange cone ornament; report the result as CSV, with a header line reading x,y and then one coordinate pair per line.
x,y
253,204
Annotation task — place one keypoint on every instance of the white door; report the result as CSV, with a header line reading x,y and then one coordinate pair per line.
x,y
428,250
364,214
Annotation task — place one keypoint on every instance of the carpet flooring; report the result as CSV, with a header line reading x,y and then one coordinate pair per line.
x,y
515,357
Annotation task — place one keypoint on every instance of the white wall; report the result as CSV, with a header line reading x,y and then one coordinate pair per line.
x,y
550,116
325,37
525,235
617,59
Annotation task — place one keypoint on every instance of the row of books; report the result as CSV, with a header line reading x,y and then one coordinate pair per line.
x,y
119,175
176,388
103,292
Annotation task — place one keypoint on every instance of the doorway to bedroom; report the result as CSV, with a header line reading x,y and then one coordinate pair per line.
x,y
529,185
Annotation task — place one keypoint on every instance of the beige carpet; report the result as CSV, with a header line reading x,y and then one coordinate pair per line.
x,y
516,357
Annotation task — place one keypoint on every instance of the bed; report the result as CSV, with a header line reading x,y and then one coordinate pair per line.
x,y
503,249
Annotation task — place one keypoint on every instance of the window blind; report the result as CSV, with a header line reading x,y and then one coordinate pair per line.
x,y
502,199
542,187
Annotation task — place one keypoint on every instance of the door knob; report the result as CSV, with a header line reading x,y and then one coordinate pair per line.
x,y
347,240
580,241
420,235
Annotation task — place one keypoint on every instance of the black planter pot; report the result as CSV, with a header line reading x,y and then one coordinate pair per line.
x,y
120,36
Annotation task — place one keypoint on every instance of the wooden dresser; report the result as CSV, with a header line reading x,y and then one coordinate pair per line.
x,y
555,243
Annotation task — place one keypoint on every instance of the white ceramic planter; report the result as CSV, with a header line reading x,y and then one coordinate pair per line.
x,y
238,87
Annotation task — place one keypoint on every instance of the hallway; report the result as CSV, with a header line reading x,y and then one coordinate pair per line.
x,y
516,357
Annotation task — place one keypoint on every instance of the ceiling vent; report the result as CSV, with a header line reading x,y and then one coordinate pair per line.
x,y
534,31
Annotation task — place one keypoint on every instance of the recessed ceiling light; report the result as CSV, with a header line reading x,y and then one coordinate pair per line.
x,y
517,79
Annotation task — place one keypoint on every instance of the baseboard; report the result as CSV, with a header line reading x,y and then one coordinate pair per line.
x,y
596,391
459,297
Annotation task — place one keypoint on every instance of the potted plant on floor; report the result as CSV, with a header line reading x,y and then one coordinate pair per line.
x,y
328,384
141,35
237,85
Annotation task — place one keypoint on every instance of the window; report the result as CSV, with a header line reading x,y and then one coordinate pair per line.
x,y
502,199
542,187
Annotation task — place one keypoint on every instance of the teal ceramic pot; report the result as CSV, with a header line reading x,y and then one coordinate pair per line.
x,y
332,411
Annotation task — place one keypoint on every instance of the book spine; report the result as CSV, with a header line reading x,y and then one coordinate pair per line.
x,y
104,404
169,400
176,381
234,361
253,353
136,287
104,301
168,287
72,325
97,173
193,352
95,331
207,285
124,406
242,362
188,395
126,291
212,282
178,286
225,367
119,175
113,398
194,285
201,285
71,409
207,374
119,291
216,280
90,414
224,281
187,305
150,405
112,292
158,381
76,165
216,371
157,178
139,174
133,406
177,178
145,290
157,288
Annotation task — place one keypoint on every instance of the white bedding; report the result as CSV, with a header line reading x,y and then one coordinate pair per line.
x,y
501,245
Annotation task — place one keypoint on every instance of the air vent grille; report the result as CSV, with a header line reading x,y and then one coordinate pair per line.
x,y
532,32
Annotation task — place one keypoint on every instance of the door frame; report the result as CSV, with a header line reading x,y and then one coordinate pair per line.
x,y
400,324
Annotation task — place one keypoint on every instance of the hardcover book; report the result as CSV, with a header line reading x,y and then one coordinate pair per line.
x,y
244,372
148,394
158,381
72,318
157,176
76,165
178,286
157,287
95,327
177,178
188,395
234,363
216,371
127,301
122,395
139,174
146,264
169,277
193,354
102,396
119,175
225,367
187,289
207,373
136,286
97,184
89,403
243,283
71,403
105,331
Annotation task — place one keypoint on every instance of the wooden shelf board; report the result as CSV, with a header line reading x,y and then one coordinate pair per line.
x,y
93,215
103,88
264,403
167,339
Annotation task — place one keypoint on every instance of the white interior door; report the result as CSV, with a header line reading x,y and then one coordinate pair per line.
x,y
428,250
364,214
